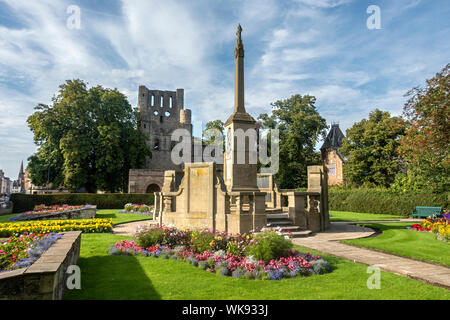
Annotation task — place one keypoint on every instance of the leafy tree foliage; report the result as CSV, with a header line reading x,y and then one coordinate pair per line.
x,y
300,128
370,147
426,144
213,125
87,138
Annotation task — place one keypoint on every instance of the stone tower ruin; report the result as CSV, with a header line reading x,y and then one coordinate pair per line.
x,y
161,112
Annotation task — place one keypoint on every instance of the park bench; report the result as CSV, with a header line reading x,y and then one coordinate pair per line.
x,y
425,212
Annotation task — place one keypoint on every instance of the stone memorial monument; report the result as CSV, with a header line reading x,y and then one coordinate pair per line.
x,y
228,198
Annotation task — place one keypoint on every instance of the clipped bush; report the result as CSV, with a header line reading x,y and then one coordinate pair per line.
x,y
383,201
268,245
26,202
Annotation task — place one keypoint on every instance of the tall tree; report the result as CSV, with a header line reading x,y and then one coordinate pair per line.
x,y
87,138
300,128
370,147
212,125
426,145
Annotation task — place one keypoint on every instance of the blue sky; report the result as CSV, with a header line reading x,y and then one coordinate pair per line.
x,y
317,47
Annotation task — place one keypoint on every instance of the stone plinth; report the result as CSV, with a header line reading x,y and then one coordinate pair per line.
x,y
46,278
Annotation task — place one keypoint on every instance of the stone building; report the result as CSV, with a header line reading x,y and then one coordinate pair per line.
x,y
161,112
332,159
5,184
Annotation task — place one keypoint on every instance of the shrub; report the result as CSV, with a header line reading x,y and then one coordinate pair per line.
x,y
144,208
234,248
202,240
26,202
149,237
269,245
383,201
173,237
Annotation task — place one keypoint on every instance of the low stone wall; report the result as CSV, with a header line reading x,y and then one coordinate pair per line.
x,y
84,213
46,278
6,209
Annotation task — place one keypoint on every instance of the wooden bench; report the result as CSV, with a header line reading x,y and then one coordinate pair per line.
x,y
425,212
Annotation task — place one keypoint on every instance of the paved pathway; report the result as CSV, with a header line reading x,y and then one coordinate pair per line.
x,y
328,242
127,229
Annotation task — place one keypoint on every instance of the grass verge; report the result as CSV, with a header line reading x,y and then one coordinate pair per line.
x,y
396,239
133,277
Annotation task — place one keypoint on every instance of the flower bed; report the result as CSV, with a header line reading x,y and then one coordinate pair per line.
x,y
267,255
138,209
54,211
439,226
45,226
21,251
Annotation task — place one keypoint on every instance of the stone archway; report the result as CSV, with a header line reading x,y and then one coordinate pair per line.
x,y
152,188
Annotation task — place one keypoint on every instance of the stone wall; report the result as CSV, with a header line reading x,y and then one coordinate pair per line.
x,y
333,162
84,213
141,179
46,278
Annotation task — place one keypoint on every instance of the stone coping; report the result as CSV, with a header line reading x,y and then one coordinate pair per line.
x,y
52,215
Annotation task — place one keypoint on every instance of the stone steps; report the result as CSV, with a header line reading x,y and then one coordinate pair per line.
x,y
281,220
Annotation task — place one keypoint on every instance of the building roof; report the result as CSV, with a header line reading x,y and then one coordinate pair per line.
x,y
333,139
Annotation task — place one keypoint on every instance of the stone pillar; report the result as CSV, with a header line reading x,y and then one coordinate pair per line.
x,y
318,182
313,216
296,208
259,212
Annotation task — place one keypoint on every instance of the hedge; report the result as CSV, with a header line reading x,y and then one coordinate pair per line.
x,y
384,201
25,202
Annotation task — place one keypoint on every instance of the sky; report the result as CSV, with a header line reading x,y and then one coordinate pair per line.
x,y
324,48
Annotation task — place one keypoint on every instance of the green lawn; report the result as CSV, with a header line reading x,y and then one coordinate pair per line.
x,y
399,240
130,277
118,218
360,216
5,217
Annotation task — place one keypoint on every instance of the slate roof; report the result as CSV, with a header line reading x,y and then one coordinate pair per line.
x,y
333,139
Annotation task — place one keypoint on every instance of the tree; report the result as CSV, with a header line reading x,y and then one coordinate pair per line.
x,y
212,125
370,147
87,138
300,127
426,144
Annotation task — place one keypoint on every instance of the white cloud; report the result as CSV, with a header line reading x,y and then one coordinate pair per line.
x,y
302,46
323,3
